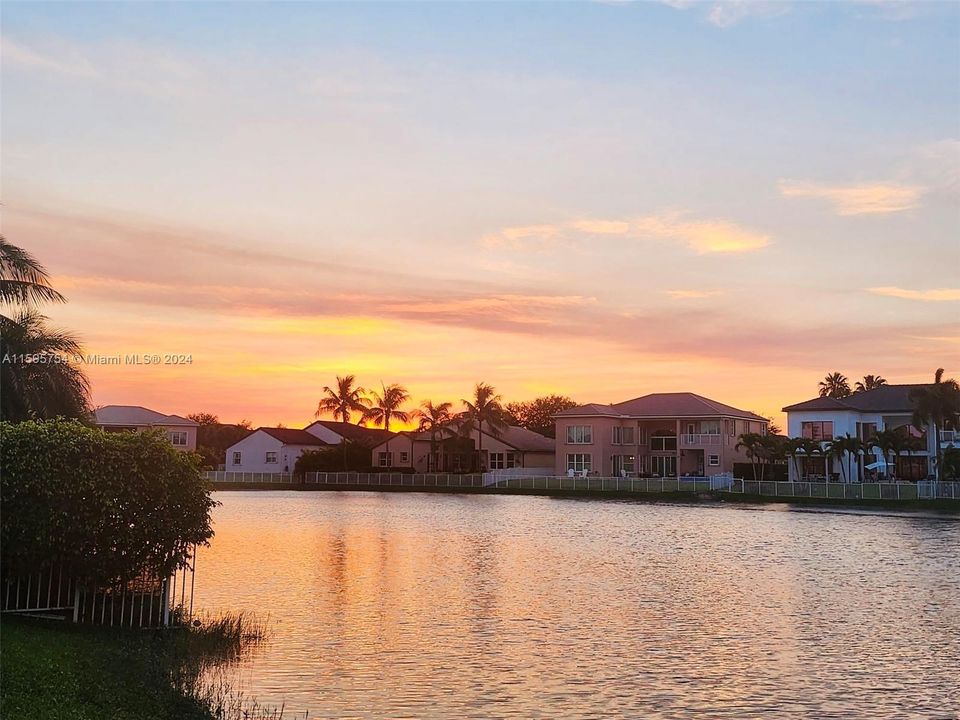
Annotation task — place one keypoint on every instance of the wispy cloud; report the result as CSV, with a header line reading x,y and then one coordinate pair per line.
x,y
693,294
68,63
727,13
859,199
932,295
702,236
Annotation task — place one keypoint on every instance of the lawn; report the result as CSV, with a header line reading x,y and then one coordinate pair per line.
x,y
59,671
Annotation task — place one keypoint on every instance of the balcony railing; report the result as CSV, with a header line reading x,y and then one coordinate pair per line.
x,y
698,439
950,436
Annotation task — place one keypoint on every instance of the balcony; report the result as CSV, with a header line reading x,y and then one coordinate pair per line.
x,y
697,440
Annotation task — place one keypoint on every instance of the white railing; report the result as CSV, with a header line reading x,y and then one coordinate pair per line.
x,y
231,476
938,489
950,436
689,439
494,476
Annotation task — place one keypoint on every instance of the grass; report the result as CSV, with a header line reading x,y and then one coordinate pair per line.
x,y
54,670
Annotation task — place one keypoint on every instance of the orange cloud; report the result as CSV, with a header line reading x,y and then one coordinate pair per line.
x,y
863,199
704,236
693,294
933,295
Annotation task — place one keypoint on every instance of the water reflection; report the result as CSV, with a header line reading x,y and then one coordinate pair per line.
x,y
417,605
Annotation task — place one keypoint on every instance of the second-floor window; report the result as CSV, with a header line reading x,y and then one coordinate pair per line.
x,y
236,458
580,434
663,443
271,457
623,435
178,437
817,430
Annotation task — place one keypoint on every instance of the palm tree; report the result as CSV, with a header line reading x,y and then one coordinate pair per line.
x,y
870,382
385,406
485,407
432,419
835,385
755,449
38,378
22,279
936,405
808,448
342,403
840,447
888,442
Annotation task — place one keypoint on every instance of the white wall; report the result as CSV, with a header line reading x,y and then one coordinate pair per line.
x,y
253,450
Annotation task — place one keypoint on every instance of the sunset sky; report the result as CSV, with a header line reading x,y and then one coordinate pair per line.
x,y
600,199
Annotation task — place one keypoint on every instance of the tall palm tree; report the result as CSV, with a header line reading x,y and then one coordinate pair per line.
x,y
804,447
341,403
756,449
888,442
37,379
936,405
840,447
432,419
22,278
485,407
835,385
870,382
386,406
38,376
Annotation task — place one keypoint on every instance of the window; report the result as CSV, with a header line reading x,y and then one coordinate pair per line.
x,y
178,437
817,430
641,436
710,427
868,431
579,462
384,459
270,458
623,464
623,435
404,457
713,460
498,460
580,435
236,458
665,466
663,443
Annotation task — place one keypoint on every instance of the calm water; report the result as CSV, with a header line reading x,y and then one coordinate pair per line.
x,y
427,605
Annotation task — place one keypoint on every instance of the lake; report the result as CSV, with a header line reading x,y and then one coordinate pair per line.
x,y
409,605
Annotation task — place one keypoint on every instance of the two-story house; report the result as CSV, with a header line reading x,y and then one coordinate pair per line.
x,y
861,416
662,434
181,432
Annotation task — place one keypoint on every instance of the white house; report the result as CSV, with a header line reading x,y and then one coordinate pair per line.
x,y
181,432
274,450
861,416
271,450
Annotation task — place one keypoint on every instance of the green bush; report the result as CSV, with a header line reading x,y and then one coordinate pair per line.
x,y
107,506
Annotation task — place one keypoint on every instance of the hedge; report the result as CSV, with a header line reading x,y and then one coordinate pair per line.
x,y
108,507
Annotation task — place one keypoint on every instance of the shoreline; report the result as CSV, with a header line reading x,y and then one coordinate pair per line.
x,y
718,497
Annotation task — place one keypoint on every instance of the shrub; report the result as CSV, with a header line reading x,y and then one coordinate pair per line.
x,y
107,506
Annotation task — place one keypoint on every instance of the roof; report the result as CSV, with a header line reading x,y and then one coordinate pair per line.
x,y
886,398
663,405
137,416
524,440
356,433
291,436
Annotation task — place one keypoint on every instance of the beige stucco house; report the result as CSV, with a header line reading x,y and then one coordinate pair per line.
x,y
181,432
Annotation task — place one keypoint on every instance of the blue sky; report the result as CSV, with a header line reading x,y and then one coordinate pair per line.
x,y
726,197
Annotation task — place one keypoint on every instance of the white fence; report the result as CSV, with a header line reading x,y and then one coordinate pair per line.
x,y
922,490
937,489
249,477
494,476
143,602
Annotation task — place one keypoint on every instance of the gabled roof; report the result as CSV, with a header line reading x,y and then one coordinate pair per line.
x,y
356,433
886,398
290,436
135,415
663,405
